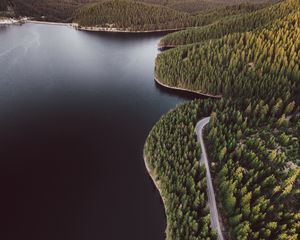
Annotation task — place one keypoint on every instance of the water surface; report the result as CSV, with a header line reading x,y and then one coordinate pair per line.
x,y
75,110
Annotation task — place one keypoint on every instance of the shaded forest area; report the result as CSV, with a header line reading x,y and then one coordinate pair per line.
x,y
3,5
63,10
49,10
132,16
136,16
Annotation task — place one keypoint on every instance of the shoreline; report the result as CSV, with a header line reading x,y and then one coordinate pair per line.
x,y
9,21
166,47
119,30
51,23
164,200
12,21
187,90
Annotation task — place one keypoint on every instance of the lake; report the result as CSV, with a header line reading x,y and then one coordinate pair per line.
x,y
76,108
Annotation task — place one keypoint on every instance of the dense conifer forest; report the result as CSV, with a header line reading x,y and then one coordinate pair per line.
x,y
208,17
3,5
172,154
254,153
5,9
255,156
253,135
196,6
122,14
261,64
235,22
192,12
48,10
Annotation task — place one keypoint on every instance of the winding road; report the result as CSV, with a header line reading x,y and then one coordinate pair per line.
x,y
214,216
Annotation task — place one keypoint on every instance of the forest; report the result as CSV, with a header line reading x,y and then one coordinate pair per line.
x,y
236,21
3,5
254,153
192,12
136,16
210,16
195,7
5,10
253,137
48,10
172,153
260,64
131,15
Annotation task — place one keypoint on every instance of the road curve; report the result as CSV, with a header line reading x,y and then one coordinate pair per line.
x,y
214,216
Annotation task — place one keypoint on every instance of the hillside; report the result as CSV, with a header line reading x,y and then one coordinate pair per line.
x,y
196,6
208,17
255,150
253,61
135,16
172,154
132,16
254,157
51,10
5,9
241,22
63,10
3,5
261,64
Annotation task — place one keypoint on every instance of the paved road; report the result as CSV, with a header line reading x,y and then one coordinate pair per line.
x,y
214,217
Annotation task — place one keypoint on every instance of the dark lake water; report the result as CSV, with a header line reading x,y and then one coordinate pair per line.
x,y
75,110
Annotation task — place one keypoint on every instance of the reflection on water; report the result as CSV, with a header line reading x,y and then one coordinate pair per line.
x,y
76,108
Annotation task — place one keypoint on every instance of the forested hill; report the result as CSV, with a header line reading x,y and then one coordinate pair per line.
x,y
3,5
241,22
49,10
207,17
196,6
261,64
254,153
172,155
5,9
252,139
131,15
122,14
64,10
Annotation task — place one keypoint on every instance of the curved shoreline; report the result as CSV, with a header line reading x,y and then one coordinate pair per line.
x,y
187,90
51,23
164,200
166,47
119,30
94,29
11,21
